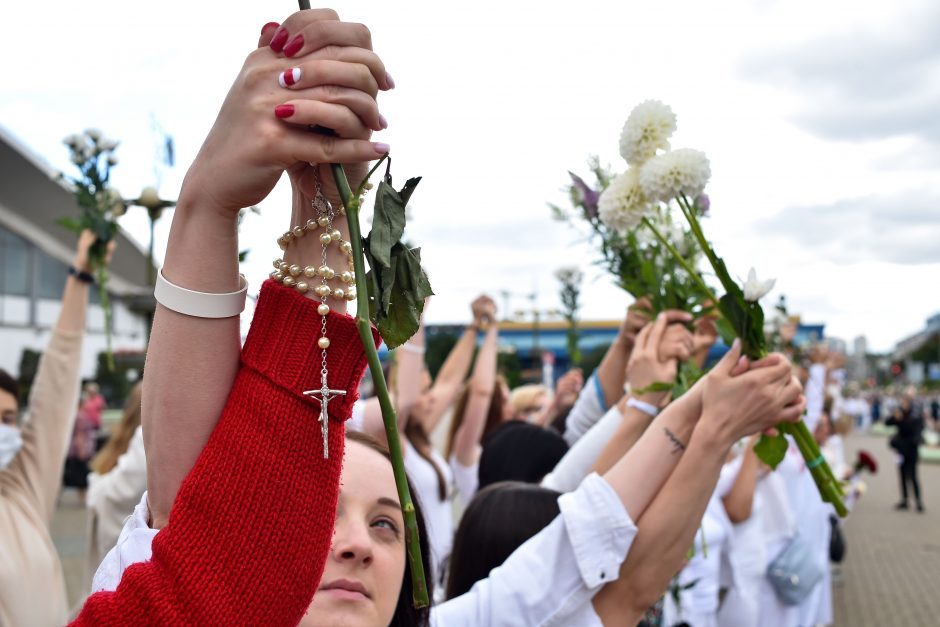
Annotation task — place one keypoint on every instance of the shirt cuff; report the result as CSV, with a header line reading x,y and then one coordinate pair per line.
x,y
600,529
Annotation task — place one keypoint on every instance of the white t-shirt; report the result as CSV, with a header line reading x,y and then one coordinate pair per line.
x,y
438,514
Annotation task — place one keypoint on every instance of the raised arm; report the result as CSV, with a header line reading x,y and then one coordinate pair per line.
x,y
481,385
740,499
192,361
54,396
733,405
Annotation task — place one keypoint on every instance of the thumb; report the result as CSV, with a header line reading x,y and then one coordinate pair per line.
x,y
730,359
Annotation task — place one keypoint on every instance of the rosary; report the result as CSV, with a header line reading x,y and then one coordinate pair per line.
x,y
301,279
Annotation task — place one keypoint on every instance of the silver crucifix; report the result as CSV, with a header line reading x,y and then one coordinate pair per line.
x,y
325,395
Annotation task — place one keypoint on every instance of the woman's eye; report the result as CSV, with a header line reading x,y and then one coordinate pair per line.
x,y
385,523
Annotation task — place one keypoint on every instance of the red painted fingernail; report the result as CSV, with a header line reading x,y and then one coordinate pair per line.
x,y
280,38
289,77
268,26
284,111
294,46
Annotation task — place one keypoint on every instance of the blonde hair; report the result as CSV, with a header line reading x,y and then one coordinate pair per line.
x,y
525,395
120,439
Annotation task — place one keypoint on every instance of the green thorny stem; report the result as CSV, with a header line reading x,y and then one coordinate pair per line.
x,y
829,487
419,591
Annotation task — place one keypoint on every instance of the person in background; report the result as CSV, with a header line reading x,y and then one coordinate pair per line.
x,y
117,480
906,442
93,403
32,587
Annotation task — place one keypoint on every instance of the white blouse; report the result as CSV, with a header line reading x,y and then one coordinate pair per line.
x,y
438,514
580,458
549,580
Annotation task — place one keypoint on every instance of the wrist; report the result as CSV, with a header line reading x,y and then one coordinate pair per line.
x,y
81,264
714,433
657,399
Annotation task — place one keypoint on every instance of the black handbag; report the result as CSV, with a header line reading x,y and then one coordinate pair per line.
x,y
836,542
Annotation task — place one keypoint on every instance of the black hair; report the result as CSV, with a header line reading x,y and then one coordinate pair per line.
x,y
406,614
519,451
499,519
9,384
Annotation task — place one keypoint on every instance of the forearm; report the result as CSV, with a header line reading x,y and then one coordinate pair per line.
x,y
633,425
638,476
254,476
409,365
191,362
612,371
74,305
665,532
740,499
482,382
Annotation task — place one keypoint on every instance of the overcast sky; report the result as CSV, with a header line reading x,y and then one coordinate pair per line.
x,y
821,120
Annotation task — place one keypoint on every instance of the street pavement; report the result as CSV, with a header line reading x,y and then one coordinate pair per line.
x,y
888,577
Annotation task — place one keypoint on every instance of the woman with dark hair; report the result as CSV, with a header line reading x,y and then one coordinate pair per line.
x,y
906,442
498,521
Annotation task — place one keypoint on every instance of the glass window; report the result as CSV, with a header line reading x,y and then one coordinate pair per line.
x,y
52,275
14,277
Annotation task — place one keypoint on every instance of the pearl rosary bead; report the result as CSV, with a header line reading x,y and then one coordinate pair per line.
x,y
347,277
346,247
302,287
323,309
335,235
339,293
298,231
325,239
289,281
324,343
351,294
324,221
310,272
294,270
322,291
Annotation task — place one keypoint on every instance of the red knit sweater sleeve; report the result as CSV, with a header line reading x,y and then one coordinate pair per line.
x,y
251,527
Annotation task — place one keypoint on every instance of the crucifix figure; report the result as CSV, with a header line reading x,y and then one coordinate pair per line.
x,y
325,395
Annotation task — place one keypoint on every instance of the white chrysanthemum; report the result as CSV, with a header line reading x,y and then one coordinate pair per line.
x,y
684,171
622,205
648,129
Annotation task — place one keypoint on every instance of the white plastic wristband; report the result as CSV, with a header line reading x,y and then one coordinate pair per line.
x,y
647,408
200,304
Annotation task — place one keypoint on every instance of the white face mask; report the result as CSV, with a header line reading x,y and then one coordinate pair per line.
x,y
10,444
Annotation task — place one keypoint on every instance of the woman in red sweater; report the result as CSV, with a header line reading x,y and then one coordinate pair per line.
x,y
253,520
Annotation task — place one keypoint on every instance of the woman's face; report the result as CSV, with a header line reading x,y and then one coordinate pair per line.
x,y
366,564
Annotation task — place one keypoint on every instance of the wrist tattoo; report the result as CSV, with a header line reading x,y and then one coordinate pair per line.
x,y
677,444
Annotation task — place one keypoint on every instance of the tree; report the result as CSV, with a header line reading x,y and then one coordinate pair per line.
x,y
570,279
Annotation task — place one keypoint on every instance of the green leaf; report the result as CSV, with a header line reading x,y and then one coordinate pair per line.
x,y
656,386
74,225
388,222
242,255
408,190
771,450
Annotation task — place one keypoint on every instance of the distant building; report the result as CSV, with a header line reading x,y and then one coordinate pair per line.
x,y
920,353
858,366
35,253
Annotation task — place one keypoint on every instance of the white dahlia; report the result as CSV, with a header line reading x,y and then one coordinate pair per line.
x,y
684,171
622,205
648,129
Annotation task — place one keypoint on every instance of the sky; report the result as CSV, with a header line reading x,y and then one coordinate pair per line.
x,y
820,120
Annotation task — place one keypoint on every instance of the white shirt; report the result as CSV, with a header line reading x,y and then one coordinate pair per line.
x,y
549,580
466,478
438,514
587,410
580,458
553,577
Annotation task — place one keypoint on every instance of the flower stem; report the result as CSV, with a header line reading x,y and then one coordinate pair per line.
x,y
419,590
682,261
102,280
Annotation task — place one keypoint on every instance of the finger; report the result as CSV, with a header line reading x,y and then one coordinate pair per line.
x,y
741,367
359,102
730,359
306,113
296,23
792,413
303,146
329,72
352,54
676,315
656,335
267,34
771,432
642,339
770,360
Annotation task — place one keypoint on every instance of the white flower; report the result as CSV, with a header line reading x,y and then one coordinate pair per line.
x,y
107,145
754,290
666,176
72,141
149,198
116,203
78,157
647,129
623,205
112,160
93,134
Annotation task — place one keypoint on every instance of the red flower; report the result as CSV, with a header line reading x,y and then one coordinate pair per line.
x,y
867,461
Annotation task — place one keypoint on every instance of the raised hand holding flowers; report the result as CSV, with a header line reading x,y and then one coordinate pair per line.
x,y
100,206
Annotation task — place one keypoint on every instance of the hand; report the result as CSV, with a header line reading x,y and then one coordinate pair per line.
x,y
678,342
568,387
86,240
737,406
637,317
705,335
819,354
649,362
484,310
249,147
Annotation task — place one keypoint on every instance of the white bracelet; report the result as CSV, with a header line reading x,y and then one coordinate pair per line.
x,y
200,304
647,408
411,348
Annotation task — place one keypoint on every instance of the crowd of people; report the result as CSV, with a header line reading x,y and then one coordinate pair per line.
x,y
599,500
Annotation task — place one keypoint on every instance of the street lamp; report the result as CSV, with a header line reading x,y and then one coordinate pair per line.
x,y
150,200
